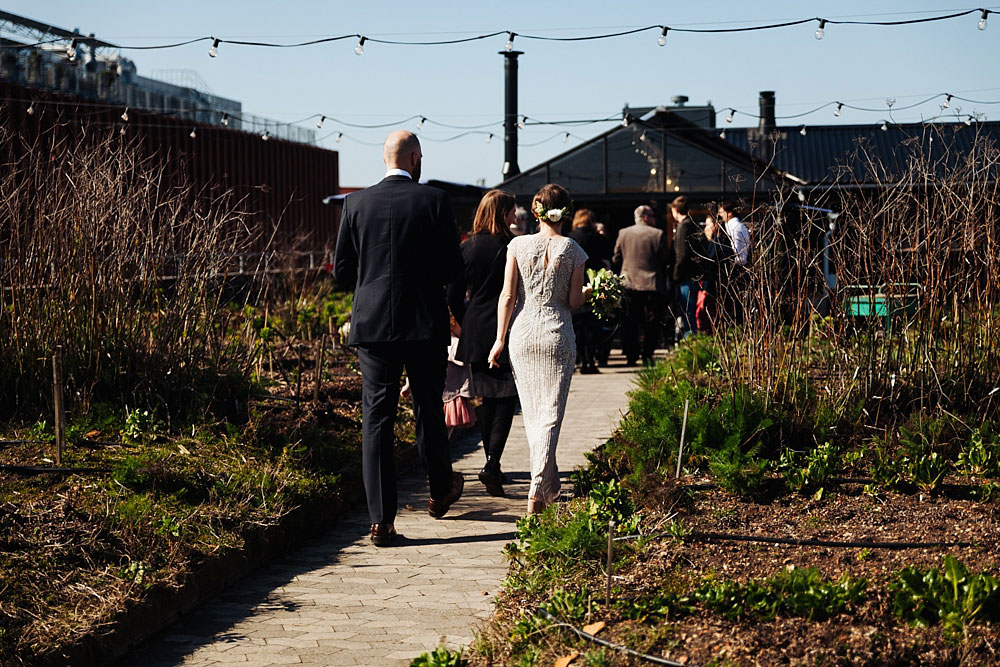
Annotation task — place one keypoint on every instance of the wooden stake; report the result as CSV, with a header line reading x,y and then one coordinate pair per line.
x,y
680,449
611,546
320,352
57,401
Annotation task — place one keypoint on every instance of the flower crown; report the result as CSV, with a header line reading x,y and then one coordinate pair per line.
x,y
553,214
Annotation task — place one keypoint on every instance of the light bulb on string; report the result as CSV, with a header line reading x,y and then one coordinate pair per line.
x,y
420,123
31,109
359,50
125,115
565,137
489,139
982,20
510,41
722,135
225,119
319,123
677,188
803,131
885,126
71,51
266,136
214,51
194,133
662,41
624,121
947,101
968,121
819,30
732,114
836,112
524,119
642,137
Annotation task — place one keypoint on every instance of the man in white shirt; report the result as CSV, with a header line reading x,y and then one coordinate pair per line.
x,y
739,237
734,293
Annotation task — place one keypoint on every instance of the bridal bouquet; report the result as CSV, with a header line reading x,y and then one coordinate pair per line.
x,y
607,293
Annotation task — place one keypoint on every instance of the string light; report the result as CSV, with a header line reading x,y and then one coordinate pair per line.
x,y
819,30
31,109
420,124
947,101
732,114
319,124
836,112
194,133
968,121
624,121
360,48
885,126
662,41
803,131
225,119
524,119
510,41
125,115
489,139
642,137
266,135
340,135
214,51
722,135
71,51
982,20
566,137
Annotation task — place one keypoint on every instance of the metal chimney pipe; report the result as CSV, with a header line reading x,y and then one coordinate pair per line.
x,y
510,167
767,124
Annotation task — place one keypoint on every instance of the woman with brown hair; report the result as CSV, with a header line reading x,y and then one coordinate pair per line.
x,y
484,254
543,284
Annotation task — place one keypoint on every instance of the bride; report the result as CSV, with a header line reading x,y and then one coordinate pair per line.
x,y
543,284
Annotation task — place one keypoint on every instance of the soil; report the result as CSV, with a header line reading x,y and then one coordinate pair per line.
x,y
79,550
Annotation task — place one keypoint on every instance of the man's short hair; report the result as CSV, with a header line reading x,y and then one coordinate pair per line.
x,y
642,211
680,204
729,206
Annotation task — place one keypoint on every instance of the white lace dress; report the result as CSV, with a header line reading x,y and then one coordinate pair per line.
x,y
543,348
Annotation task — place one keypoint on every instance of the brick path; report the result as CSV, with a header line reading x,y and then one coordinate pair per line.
x,y
340,601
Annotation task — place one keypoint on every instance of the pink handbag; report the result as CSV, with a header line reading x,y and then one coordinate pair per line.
x,y
458,414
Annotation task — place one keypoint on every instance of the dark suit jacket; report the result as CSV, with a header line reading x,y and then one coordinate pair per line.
x,y
597,247
485,257
689,250
398,248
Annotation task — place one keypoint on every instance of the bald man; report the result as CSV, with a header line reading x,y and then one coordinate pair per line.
x,y
397,248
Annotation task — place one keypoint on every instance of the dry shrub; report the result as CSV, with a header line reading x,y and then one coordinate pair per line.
x,y
105,252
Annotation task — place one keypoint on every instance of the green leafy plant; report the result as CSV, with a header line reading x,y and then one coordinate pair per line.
x,y
926,471
952,596
739,472
140,427
809,472
980,458
440,657
801,592
655,608
610,501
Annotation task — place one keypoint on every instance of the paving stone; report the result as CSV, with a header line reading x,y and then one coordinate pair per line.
x,y
340,601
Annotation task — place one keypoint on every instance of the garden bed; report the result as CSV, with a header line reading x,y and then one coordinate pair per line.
x,y
84,554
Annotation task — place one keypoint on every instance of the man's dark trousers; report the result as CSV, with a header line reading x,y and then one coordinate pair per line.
x,y
381,368
644,313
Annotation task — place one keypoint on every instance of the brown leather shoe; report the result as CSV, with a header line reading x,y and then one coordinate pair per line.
x,y
437,508
383,534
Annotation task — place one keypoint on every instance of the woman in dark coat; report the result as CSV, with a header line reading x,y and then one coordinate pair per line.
x,y
485,255
587,326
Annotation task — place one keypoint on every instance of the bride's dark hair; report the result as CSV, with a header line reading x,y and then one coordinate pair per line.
x,y
552,196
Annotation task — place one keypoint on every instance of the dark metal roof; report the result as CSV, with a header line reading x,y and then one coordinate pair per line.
x,y
833,153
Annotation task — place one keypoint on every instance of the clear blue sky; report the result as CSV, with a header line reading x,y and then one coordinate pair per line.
x,y
463,84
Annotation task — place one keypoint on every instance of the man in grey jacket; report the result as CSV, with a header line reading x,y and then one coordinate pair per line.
x,y
642,253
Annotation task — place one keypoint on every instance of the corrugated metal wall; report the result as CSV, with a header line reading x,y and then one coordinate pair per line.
x,y
281,182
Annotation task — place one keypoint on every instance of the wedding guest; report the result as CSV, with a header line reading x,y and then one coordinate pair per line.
x,y
641,252
400,320
735,292
585,324
687,266
484,255
718,254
